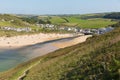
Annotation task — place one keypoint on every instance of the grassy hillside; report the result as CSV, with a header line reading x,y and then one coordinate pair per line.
x,y
97,58
12,33
88,23
95,15
88,61
82,21
91,21
7,20
12,21
57,20
78,21
115,15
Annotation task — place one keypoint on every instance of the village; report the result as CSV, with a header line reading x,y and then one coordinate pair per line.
x,y
76,29
60,28
26,29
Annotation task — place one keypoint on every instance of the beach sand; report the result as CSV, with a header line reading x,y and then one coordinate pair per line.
x,y
72,42
20,41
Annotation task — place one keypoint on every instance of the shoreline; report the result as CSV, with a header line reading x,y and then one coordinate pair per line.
x,y
75,41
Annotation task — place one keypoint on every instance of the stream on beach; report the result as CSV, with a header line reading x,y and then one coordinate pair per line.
x,y
9,58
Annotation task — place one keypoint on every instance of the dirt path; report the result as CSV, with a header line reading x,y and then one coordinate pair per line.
x,y
26,71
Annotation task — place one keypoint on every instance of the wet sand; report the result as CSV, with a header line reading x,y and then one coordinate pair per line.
x,y
72,42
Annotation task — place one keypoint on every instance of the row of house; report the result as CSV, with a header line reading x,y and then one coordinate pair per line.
x,y
73,29
55,27
88,31
76,29
65,28
46,25
26,29
97,31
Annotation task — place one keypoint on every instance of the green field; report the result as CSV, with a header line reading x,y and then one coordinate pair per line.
x,y
12,21
98,57
57,20
82,23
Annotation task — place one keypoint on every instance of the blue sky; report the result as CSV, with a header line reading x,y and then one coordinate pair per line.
x,y
58,6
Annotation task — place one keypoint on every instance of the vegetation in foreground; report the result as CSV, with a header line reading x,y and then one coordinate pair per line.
x,y
88,61
97,58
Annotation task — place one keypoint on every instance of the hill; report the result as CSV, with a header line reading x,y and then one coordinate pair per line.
x,y
115,15
8,21
13,25
97,20
79,21
12,20
29,23
82,21
88,61
97,58
88,23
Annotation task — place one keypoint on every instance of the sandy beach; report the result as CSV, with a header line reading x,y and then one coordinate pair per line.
x,y
20,41
72,42
25,40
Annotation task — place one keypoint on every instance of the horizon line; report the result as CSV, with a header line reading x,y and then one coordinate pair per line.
x,y
59,14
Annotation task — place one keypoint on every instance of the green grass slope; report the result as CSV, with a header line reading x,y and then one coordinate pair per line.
x,y
73,21
12,21
82,21
88,23
96,59
57,20
7,20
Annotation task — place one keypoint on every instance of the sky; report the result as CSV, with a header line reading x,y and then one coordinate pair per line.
x,y
58,6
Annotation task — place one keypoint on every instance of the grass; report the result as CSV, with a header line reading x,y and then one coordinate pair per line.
x,y
87,61
14,33
89,23
77,21
12,20
9,24
57,20
5,24
97,58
